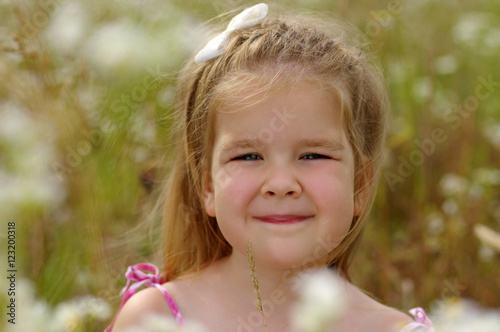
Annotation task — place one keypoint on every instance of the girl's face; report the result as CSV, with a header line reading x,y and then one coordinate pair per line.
x,y
282,175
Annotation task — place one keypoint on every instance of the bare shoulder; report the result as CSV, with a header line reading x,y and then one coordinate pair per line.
x,y
376,316
149,301
391,319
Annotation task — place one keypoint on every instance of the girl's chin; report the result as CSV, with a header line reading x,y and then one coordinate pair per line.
x,y
283,257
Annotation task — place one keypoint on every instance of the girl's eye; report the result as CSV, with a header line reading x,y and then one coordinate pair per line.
x,y
249,156
311,156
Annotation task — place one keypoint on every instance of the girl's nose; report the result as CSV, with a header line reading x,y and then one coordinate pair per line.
x,y
281,183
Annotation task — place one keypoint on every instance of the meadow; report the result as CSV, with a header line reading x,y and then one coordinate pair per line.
x,y
86,90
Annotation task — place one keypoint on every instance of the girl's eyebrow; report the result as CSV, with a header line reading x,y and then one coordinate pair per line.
x,y
330,144
230,146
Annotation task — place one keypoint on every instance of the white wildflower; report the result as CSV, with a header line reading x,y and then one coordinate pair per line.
x,y
422,89
124,48
435,223
68,318
35,314
68,28
119,46
95,307
470,27
16,127
322,302
74,314
141,154
27,177
487,176
446,64
492,38
453,185
464,316
492,134
143,131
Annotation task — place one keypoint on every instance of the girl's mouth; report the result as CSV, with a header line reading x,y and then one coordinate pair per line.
x,y
282,218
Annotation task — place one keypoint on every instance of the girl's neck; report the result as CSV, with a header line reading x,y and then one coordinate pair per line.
x,y
235,271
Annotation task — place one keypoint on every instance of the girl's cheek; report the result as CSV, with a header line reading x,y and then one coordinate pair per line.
x,y
327,184
242,185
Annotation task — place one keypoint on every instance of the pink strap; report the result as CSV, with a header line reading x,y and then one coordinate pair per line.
x,y
420,316
135,273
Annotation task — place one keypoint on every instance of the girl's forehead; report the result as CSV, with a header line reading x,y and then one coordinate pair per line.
x,y
303,110
251,90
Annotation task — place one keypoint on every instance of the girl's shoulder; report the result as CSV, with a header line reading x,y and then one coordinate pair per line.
x,y
376,316
156,300
146,302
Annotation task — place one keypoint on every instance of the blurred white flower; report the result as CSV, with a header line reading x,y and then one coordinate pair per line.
x,y
446,64
453,185
492,134
95,307
68,28
128,48
435,223
26,174
322,301
471,26
16,126
464,316
422,89
119,47
35,315
143,131
487,176
492,38
67,318
71,315
141,154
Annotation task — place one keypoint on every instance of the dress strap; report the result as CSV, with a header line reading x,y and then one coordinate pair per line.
x,y
421,324
421,317
136,274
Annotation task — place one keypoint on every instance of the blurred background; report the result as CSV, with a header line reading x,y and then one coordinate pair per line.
x,y
86,93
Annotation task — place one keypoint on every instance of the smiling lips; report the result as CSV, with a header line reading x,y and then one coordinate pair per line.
x,y
282,219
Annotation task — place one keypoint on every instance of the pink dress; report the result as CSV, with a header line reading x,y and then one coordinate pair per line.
x,y
136,274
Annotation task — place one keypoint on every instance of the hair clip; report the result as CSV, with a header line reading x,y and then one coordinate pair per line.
x,y
218,44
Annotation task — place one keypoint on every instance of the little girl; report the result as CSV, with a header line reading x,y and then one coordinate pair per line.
x,y
281,125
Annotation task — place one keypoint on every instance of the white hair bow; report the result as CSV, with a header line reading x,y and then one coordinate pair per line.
x,y
218,44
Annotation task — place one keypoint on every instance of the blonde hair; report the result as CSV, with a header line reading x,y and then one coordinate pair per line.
x,y
326,50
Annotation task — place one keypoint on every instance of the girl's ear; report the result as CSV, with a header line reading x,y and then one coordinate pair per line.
x,y
208,193
361,196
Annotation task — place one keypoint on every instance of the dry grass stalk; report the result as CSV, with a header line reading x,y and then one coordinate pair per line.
x,y
255,282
